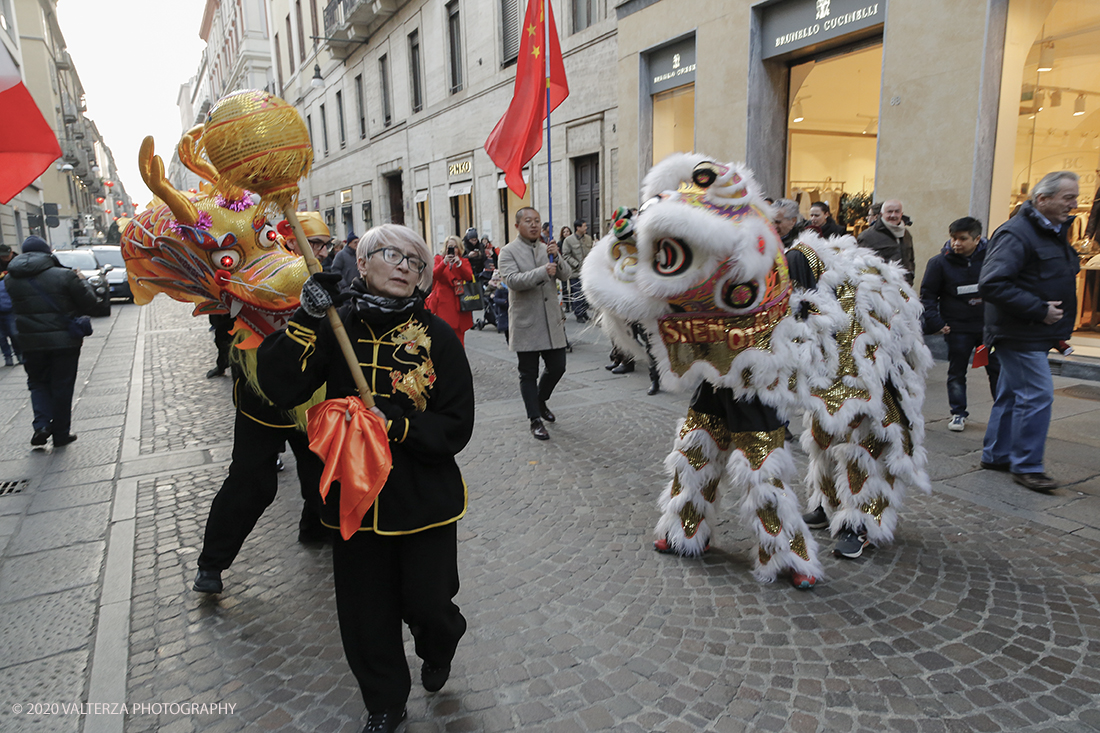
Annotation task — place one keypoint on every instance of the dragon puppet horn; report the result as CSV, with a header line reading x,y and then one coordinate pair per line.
x,y
152,172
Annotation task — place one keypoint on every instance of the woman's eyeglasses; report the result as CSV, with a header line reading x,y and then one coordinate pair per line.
x,y
393,256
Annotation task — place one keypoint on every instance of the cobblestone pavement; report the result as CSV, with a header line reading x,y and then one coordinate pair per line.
x,y
985,614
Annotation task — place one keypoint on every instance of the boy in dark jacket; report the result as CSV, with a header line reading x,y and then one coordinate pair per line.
x,y
953,307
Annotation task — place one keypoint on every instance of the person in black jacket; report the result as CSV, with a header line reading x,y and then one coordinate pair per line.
x,y
822,221
953,307
1029,283
45,296
402,564
890,239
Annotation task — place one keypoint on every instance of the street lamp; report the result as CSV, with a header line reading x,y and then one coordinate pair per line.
x,y
317,81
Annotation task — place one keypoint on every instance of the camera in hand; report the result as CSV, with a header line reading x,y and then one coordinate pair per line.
x,y
451,249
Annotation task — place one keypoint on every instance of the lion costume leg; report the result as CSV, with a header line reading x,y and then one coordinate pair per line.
x,y
859,475
688,502
742,440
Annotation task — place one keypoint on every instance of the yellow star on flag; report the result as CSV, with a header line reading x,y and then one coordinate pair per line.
x,y
535,51
531,30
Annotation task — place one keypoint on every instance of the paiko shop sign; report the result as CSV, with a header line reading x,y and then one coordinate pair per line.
x,y
793,24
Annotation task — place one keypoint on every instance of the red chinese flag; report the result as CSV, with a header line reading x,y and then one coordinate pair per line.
x,y
518,135
27,144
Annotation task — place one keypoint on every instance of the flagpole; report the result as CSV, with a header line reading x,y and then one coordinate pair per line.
x,y
549,175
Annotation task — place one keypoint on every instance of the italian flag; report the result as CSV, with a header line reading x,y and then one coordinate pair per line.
x,y
27,144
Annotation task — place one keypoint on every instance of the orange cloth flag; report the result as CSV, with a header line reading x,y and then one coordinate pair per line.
x,y
352,442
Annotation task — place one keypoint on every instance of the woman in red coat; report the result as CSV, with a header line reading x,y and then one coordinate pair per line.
x,y
451,270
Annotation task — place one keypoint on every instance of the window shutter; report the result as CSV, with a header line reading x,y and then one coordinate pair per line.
x,y
509,31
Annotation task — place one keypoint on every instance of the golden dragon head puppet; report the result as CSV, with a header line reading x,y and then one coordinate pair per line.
x,y
216,250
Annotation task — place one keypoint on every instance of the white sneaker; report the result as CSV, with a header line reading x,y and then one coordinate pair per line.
x,y
957,424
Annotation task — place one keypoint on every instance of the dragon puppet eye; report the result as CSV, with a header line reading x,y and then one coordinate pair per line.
x,y
268,236
649,202
705,174
227,259
672,257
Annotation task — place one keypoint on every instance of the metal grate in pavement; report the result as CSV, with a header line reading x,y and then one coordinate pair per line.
x,y
10,488
1081,392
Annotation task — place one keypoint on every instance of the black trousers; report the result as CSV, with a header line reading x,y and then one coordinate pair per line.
x,y
382,581
251,485
536,390
223,339
51,378
741,416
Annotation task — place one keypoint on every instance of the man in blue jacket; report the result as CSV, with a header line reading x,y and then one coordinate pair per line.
x,y
953,307
1029,286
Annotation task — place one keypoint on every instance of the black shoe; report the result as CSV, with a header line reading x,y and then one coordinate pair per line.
x,y
208,581
539,430
1036,482
1002,467
215,372
850,544
40,437
816,519
433,678
312,534
64,440
654,388
546,414
624,368
386,721
612,366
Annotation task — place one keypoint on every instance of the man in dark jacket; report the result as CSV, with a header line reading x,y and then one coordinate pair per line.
x,y
889,238
45,296
953,307
788,222
344,262
1029,286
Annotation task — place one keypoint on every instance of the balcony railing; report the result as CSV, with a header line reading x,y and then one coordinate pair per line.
x,y
353,21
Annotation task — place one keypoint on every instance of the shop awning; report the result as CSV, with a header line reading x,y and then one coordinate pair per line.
x,y
460,189
421,196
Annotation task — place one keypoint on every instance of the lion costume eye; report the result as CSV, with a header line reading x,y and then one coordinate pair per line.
x,y
705,174
672,257
227,259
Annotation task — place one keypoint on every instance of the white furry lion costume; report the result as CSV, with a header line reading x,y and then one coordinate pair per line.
x,y
701,267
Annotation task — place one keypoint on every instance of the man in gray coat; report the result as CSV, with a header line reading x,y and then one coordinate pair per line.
x,y
573,250
536,326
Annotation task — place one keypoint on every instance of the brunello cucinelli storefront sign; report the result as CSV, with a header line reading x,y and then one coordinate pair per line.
x,y
672,65
791,25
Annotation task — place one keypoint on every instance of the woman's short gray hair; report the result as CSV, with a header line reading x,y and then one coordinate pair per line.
x,y
786,209
396,235
1049,184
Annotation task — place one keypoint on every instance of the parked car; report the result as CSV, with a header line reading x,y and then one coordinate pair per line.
x,y
85,262
111,254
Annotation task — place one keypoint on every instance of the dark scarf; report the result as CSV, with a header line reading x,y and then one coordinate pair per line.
x,y
370,307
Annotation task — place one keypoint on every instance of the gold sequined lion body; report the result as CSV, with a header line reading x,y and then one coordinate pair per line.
x,y
701,267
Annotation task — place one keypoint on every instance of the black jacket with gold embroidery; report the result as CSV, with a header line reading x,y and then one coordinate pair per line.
x,y
421,380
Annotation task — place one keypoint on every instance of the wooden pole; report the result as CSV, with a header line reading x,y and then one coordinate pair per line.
x,y
333,318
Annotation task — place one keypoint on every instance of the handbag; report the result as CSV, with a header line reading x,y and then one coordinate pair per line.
x,y
469,296
78,327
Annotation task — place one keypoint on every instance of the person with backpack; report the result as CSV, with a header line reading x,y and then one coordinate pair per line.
x,y
46,296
